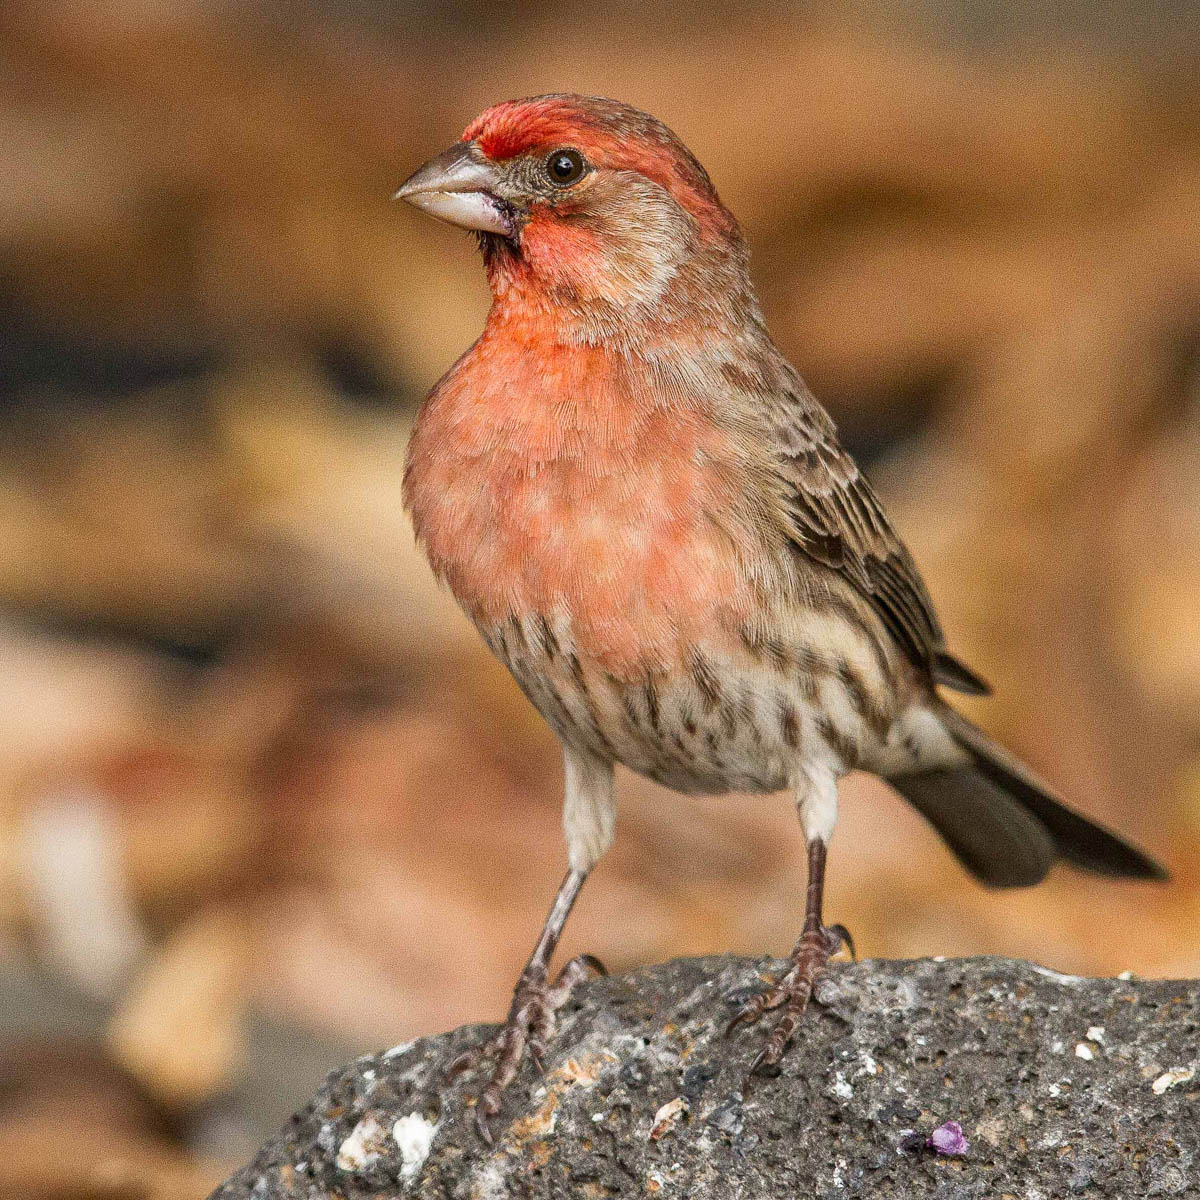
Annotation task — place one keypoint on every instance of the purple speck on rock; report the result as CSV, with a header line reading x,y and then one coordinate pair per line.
x,y
948,1138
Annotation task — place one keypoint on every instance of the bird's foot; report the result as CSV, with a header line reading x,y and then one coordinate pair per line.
x,y
791,992
530,1025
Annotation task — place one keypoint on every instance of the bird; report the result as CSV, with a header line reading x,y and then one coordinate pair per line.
x,y
651,521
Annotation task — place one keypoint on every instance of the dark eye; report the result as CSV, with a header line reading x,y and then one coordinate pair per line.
x,y
565,167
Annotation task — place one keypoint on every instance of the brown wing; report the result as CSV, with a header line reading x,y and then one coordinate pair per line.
x,y
838,520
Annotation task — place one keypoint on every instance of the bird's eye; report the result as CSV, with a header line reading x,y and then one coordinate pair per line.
x,y
565,167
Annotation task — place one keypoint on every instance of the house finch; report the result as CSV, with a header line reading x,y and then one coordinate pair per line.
x,y
650,520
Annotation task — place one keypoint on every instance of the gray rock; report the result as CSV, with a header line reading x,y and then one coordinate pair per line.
x,y
1063,1086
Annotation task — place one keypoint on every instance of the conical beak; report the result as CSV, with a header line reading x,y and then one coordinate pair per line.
x,y
458,186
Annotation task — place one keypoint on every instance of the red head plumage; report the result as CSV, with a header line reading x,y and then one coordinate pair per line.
x,y
611,135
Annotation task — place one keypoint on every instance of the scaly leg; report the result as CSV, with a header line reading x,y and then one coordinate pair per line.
x,y
793,990
535,1002
588,816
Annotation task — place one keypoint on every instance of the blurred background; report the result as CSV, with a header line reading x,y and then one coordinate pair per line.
x,y
265,801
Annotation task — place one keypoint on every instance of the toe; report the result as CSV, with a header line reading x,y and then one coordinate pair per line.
x,y
838,937
766,1063
483,1124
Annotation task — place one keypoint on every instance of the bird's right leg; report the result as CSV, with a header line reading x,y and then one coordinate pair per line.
x,y
817,805
589,813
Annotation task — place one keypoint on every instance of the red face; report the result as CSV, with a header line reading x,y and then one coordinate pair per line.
x,y
594,199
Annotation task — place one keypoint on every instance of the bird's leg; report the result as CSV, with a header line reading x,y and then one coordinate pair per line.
x,y
589,813
813,949
535,1001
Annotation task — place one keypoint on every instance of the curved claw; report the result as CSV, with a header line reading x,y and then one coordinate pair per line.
x,y
462,1064
750,1011
537,1056
734,1021
581,967
482,1124
839,937
764,1064
470,1058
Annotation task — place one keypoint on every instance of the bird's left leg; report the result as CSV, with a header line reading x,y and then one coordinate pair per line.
x,y
589,814
817,804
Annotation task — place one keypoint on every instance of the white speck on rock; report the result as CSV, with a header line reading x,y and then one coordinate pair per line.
x,y
396,1051
1171,1078
1084,1051
841,1089
839,1174
491,1181
414,1135
869,1066
1050,1139
364,1145
1058,976
1095,1034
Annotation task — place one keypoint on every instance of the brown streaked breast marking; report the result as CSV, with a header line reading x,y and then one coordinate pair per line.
x,y
585,694
653,709
810,661
518,634
763,646
714,755
545,635
633,718
789,723
560,706
705,678
548,697
842,746
860,698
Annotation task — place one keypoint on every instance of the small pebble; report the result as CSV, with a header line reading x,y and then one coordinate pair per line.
x,y
666,1117
1169,1079
948,1139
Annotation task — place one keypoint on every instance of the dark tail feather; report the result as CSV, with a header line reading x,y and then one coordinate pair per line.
x,y
1007,826
993,836
951,673
1078,840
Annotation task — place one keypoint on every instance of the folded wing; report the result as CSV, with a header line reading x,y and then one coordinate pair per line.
x,y
837,520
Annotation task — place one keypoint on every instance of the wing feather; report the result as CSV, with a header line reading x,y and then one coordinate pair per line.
x,y
838,520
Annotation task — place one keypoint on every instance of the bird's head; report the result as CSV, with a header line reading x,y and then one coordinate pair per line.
x,y
585,202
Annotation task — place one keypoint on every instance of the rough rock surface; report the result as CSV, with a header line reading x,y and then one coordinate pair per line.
x,y
1063,1086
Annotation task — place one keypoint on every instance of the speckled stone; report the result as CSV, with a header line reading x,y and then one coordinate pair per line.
x,y
1063,1086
